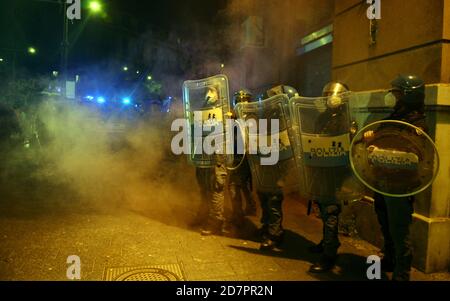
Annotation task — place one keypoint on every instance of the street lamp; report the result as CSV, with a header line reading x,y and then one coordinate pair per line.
x,y
95,7
149,77
125,68
1,60
32,50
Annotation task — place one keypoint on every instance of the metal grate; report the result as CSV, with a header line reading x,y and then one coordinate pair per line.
x,y
172,272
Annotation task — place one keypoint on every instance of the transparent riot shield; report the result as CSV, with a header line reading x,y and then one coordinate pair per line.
x,y
394,158
321,129
268,144
206,104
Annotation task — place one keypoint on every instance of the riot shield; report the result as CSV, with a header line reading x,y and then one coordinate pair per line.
x,y
396,159
321,127
268,144
206,104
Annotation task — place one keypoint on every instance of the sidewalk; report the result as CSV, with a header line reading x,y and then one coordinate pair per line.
x,y
35,243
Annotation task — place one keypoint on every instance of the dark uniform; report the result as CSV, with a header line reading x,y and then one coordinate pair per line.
x,y
240,179
324,181
395,214
240,185
211,181
272,201
272,218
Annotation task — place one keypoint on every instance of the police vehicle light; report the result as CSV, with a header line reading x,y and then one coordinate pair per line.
x,y
89,97
101,99
126,101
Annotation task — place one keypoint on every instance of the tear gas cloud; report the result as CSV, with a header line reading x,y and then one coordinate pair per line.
x,y
107,169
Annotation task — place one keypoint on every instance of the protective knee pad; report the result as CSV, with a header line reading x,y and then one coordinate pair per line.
x,y
334,209
332,215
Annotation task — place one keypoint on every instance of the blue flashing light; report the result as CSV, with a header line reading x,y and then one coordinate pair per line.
x,y
126,101
101,99
89,97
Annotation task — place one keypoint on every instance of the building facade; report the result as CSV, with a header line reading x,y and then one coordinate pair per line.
x,y
306,44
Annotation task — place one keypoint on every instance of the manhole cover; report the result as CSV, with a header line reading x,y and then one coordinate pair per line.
x,y
172,272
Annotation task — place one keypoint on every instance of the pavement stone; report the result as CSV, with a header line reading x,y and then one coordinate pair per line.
x,y
35,242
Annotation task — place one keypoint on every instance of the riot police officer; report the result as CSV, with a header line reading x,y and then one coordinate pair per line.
x,y
395,214
240,179
324,181
282,89
271,201
212,187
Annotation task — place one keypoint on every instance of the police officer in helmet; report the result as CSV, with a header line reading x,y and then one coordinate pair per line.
x,y
240,179
243,95
212,187
271,202
282,89
333,121
395,214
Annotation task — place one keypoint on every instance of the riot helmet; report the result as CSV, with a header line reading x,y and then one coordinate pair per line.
x,y
334,91
409,90
262,96
283,89
212,96
243,95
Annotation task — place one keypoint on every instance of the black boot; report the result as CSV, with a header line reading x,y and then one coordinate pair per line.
x,y
401,276
317,249
324,265
271,242
387,264
212,228
270,245
263,232
402,270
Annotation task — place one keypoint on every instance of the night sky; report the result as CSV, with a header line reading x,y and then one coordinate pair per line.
x,y
26,23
